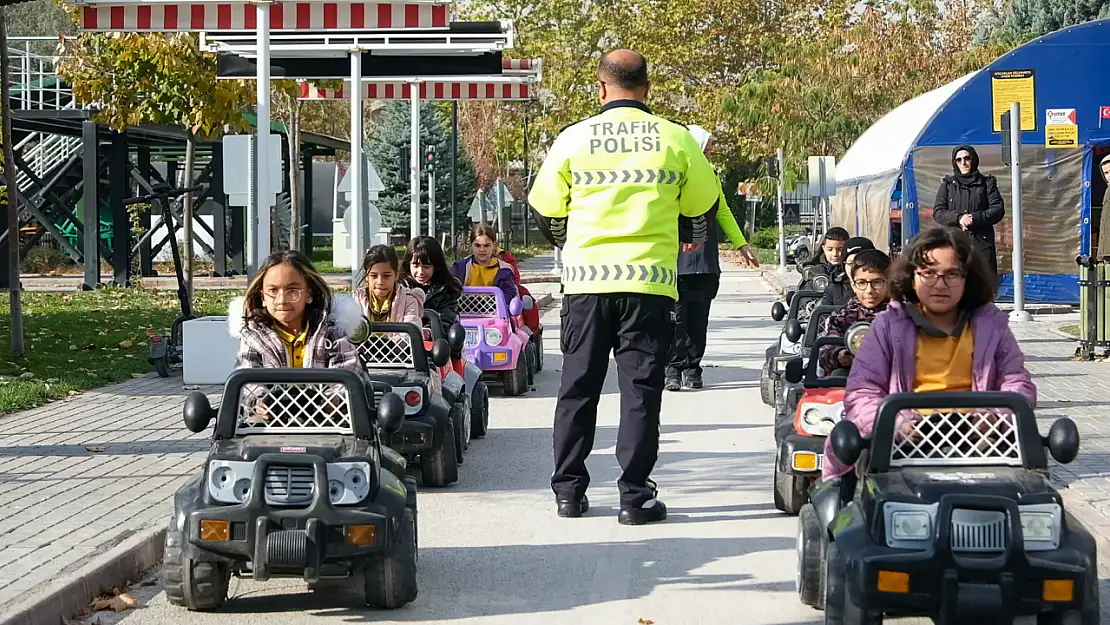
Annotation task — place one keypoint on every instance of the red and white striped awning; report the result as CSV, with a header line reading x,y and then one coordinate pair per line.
x,y
429,90
237,16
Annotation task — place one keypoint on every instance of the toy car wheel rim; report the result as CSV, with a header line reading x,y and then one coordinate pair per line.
x,y
800,552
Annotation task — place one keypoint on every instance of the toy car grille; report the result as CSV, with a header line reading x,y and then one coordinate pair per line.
x,y
806,309
390,350
478,305
289,485
978,531
471,337
294,407
976,437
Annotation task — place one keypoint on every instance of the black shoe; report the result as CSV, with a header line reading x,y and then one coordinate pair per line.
x,y
672,384
570,509
640,516
691,379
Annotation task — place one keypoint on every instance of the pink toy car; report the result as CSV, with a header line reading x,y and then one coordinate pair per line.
x,y
496,342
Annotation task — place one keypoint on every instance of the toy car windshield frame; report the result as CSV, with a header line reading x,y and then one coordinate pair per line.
x,y
397,359
295,384
434,324
810,379
473,307
795,303
1020,439
813,324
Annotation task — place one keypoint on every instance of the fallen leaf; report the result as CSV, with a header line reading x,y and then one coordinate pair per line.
x,y
646,621
94,448
126,344
72,348
26,375
51,380
118,603
72,393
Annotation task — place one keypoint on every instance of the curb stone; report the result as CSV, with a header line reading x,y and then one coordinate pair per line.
x,y
71,593
1096,523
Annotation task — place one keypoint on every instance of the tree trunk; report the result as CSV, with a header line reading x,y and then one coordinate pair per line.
x,y
187,215
12,192
294,177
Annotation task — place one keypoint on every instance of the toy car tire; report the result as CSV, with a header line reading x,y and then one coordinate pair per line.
x,y
839,609
479,410
461,423
440,467
516,381
530,351
810,581
391,579
198,586
766,385
162,366
790,492
537,340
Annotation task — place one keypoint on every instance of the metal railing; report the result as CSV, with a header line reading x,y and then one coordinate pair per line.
x,y
43,153
34,78
1094,307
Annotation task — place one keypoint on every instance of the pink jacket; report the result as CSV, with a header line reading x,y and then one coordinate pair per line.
x,y
885,365
408,304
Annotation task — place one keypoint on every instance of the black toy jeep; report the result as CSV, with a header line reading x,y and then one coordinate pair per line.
x,y
950,515
802,338
394,353
801,305
296,485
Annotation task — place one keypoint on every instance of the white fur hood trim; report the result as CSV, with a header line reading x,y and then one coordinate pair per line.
x,y
345,313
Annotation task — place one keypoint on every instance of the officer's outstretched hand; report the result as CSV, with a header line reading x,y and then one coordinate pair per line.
x,y
749,256
690,247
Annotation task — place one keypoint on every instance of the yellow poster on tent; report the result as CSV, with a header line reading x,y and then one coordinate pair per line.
x,y
1014,85
1061,136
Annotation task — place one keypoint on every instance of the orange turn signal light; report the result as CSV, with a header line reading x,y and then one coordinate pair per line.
x,y
1062,590
893,581
362,535
214,530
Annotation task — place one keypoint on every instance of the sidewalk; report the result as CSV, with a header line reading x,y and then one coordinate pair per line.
x,y
86,490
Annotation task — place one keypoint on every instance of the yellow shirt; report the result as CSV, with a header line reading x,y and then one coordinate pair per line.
x,y
943,364
482,276
294,346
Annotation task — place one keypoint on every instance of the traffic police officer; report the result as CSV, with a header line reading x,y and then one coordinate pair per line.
x,y
611,193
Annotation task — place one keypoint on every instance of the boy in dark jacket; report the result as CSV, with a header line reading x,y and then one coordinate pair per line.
x,y
872,293
828,257
839,291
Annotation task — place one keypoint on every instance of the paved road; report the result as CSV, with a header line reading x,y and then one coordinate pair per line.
x,y
493,551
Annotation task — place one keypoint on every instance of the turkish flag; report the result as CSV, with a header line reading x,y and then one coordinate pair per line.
x,y
1104,112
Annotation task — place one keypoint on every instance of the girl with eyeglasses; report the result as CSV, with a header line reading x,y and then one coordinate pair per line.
x,y
941,333
288,318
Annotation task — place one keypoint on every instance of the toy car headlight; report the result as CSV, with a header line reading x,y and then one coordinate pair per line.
x,y
1040,526
807,273
911,525
494,336
812,416
820,283
229,481
853,338
348,482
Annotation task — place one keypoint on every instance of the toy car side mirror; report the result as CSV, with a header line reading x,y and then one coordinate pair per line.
x,y
846,442
441,353
391,412
794,371
1063,440
528,301
789,297
793,331
198,412
778,311
515,306
456,338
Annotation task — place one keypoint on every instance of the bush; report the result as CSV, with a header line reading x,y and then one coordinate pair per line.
x,y
766,238
42,259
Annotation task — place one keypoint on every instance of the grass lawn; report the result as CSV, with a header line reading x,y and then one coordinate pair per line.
x,y
1071,329
77,341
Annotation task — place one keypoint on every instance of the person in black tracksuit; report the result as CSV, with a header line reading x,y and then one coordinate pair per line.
x,y
839,291
970,200
829,256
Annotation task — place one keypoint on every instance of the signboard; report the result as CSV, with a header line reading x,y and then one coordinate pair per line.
x,y
1009,86
822,176
1061,128
791,214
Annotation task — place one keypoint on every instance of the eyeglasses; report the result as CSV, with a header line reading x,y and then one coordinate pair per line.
x,y
930,278
875,284
292,296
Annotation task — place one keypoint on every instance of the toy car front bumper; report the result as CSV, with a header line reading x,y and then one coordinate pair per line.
x,y
778,364
417,435
289,540
491,358
953,588
802,455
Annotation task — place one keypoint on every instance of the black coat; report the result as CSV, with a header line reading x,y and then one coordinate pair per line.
x,y
839,291
705,259
444,301
982,201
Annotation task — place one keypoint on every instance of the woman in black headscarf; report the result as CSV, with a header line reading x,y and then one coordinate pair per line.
x,y
970,200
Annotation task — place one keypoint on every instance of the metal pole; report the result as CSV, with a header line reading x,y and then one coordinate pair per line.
x,y
454,176
357,206
527,179
10,177
258,217
1019,313
414,160
432,204
782,230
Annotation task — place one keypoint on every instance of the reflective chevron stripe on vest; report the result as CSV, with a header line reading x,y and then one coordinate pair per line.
x,y
616,273
622,176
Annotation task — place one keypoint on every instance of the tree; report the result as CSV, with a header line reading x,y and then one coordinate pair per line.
x,y
384,150
1024,20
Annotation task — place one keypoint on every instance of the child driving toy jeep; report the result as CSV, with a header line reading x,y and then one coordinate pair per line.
x,y
382,296
872,292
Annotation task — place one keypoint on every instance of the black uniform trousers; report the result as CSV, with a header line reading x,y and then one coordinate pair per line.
x,y
637,329
695,295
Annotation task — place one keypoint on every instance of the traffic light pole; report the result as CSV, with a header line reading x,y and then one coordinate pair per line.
x,y
782,227
432,204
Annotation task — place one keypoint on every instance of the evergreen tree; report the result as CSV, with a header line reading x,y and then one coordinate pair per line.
x,y
1028,19
384,149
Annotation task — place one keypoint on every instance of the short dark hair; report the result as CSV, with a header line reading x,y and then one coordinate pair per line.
x,y
837,233
979,282
625,69
875,260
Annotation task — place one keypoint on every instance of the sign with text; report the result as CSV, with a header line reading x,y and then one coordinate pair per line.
x,y
1060,117
1014,85
1061,136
